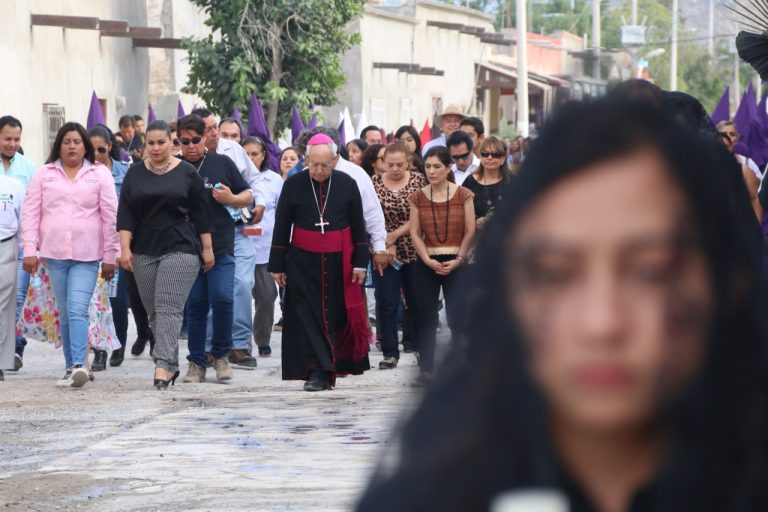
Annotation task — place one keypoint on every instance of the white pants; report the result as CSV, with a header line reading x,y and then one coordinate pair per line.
x,y
8,263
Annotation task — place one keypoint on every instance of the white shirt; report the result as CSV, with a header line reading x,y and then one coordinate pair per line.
x,y
250,173
751,164
271,186
462,175
440,141
11,199
372,212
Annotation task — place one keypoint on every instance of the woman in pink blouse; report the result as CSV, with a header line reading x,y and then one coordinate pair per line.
x,y
69,217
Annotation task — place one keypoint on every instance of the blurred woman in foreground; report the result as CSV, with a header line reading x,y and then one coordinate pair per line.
x,y
617,357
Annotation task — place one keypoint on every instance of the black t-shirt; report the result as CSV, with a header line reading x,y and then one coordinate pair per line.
x,y
215,168
166,213
487,197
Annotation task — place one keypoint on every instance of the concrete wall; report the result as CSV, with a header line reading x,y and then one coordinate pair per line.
x,y
390,98
52,65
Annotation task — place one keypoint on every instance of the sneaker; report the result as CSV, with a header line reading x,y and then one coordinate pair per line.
x,y
99,360
223,371
79,376
265,351
208,360
242,357
388,363
278,326
18,362
66,380
195,374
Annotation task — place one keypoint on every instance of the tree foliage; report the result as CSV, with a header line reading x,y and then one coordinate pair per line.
x,y
286,51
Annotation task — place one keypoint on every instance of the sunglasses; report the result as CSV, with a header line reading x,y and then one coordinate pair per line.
x,y
486,154
193,140
460,157
101,150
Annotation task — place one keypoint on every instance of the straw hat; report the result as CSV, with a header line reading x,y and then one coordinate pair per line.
x,y
453,110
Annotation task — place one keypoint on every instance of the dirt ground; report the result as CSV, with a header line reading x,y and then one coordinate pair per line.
x,y
257,443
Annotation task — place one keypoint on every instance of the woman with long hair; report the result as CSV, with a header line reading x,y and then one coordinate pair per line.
x,y
617,356
442,227
69,218
490,178
165,231
373,160
355,150
408,135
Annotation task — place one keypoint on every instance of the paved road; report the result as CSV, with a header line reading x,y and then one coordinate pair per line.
x,y
257,443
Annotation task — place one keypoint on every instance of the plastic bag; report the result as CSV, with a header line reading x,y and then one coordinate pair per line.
x,y
39,318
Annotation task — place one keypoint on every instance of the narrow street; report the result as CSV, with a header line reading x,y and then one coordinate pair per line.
x,y
256,444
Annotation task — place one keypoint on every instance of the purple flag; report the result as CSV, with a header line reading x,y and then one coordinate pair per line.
x,y
257,127
151,117
95,113
297,125
236,116
312,122
180,110
746,112
722,109
342,135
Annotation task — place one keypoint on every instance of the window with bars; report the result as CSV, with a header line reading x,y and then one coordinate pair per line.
x,y
54,117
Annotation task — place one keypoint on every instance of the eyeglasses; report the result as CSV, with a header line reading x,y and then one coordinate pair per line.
x,y
193,140
460,157
101,150
727,134
486,154
176,142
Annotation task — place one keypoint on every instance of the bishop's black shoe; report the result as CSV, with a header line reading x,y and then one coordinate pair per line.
x,y
117,357
319,380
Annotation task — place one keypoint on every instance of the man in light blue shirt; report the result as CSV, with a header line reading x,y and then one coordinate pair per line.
x,y
450,121
21,168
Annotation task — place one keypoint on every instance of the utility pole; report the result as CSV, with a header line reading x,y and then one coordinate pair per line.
x,y
673,49
711,41
633,13
596,39
522,69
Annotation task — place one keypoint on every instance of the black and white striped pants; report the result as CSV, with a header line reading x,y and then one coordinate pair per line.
x,y
164,283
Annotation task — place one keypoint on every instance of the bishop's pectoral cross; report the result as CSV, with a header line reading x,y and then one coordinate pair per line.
x,y
322,224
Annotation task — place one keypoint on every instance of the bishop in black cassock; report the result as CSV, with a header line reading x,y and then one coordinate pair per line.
x,y
318,239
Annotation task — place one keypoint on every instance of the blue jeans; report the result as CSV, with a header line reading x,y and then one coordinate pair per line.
x,y
22,284
212,290
73,283
388,289
119,305
245,263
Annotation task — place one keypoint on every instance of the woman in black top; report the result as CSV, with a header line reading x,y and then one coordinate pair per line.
x,y
164,223
617,355
488,181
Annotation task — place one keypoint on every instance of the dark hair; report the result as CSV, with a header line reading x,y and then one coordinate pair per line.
x,y
689,111
397,147
233,120
476,123
126,121
9,121
482,429
369,128
202,113
457,137
360,143
370,155
639,91
70,126
412,132
105,133
444,155
257,140
159,126
499,144
191,122
137,118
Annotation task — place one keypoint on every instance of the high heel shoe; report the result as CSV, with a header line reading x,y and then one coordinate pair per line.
x,y
163,384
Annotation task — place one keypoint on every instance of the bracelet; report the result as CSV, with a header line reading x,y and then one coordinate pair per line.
x,y
460,258
381,252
